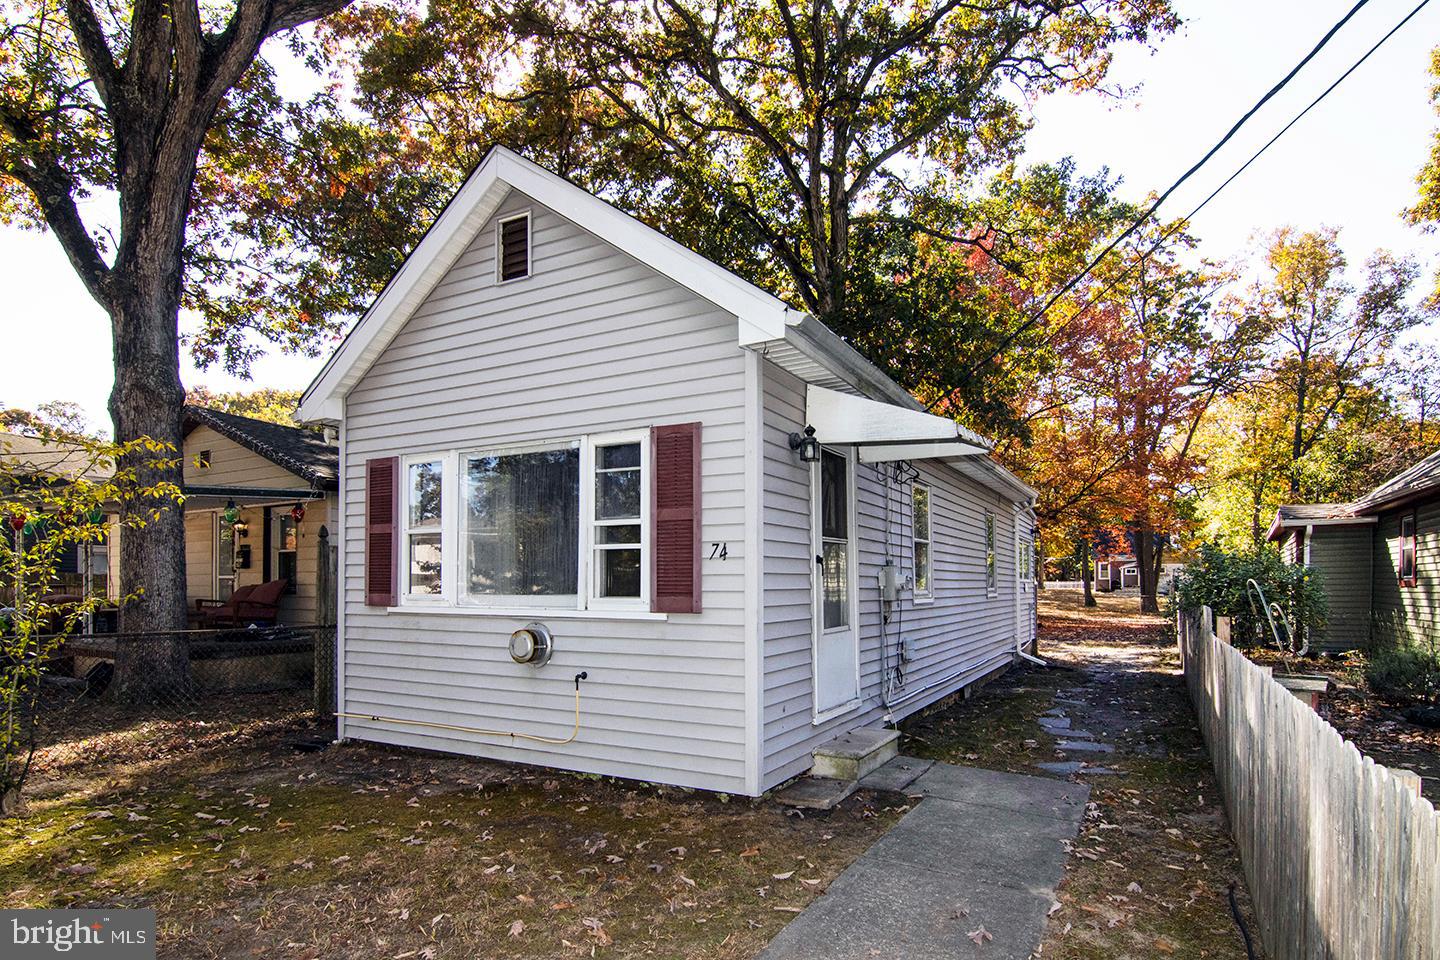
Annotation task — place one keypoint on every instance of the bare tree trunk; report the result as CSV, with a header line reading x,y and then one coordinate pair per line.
x,y
1087,572
147,401
1145,567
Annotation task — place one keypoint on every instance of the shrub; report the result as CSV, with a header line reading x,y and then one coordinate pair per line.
x,y
1219,579
1404,673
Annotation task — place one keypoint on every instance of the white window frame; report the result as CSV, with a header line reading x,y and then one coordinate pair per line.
x,y
454,534
992,559
500,247
447,537
918,596
589,542
463,597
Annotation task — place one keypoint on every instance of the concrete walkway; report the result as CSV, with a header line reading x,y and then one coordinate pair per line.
x,y
981,849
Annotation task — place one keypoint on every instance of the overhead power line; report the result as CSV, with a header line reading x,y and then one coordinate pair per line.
x,y
1175,227
1209,155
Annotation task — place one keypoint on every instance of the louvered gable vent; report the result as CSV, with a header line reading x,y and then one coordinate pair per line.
x,y
515,248
676,514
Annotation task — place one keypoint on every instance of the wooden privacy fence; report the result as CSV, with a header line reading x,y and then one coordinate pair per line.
x,y
1342,855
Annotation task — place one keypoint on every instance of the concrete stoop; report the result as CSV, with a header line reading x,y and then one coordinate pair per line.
x,y
855,755
839,767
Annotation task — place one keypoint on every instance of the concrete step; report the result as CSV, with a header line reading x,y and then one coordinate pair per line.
x,y
816,793
856,754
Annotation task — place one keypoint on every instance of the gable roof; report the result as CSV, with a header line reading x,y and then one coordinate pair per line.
x,y
761,315
1409,484
302,452
25,455
1421,478
790,338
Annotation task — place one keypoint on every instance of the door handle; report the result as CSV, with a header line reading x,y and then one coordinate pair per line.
x,y
819,559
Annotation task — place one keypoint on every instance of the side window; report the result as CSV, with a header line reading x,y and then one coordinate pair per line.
x,y
991,585
512,248
287,544
1407,550
424,493
920,537
618,538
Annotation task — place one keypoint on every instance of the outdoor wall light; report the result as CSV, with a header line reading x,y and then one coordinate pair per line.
x,y
806,443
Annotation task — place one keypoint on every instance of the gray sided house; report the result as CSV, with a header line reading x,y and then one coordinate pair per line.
x,y
1379,559
555,415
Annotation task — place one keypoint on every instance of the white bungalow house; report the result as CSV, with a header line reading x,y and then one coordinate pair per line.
x,y
743,538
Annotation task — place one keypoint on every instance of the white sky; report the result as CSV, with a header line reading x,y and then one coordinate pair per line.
x,y
1351,163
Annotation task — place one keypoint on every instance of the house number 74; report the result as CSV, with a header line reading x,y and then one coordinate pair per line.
x,y
719,551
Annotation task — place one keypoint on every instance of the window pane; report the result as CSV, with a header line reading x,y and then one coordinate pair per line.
x,y
622,533
424,563
522,523
920,498
617,495
287,534
619,573
623,455
834,515
922,568
835,585
425,497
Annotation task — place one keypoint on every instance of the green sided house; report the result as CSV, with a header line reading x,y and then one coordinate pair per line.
x,y
1379,559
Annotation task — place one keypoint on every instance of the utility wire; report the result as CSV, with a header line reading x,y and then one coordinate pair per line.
x,y
1150,211
1183,221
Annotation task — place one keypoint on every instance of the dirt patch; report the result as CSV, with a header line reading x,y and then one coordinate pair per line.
x,y
1149,874
254,850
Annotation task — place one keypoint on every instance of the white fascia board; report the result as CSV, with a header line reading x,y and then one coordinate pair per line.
x,y
841,418
760,315
885,452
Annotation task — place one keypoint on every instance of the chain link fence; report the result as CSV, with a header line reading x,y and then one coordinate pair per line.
x,y
109,699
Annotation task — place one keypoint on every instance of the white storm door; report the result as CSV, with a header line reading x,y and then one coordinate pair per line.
x,y
836,660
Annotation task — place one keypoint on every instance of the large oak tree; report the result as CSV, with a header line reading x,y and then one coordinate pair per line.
x,y
124,128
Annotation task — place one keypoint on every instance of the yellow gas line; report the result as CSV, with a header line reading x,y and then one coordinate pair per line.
x,y
488,733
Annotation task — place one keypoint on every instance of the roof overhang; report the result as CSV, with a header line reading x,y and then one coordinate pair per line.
x,y
1280,525
203,497
760,315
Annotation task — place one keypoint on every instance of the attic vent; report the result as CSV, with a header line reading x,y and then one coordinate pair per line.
x,y
514,253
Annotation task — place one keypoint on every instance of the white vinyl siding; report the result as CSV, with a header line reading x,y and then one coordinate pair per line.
x,y
593,342
960,637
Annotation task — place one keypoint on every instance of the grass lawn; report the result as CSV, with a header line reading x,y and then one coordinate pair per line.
x,y
1149,873
248,849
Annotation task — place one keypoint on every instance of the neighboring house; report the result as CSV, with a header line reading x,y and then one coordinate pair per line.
x,y
257,495
1378,559
1117,572
555,414
83,570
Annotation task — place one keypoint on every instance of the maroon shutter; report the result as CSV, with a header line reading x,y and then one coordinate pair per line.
x,y
675,519
382,482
